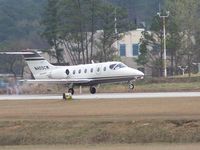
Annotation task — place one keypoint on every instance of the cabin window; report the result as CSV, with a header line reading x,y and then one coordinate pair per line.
x,y
67,71
104,69
98,69
79,71
85,70
91,70
74,71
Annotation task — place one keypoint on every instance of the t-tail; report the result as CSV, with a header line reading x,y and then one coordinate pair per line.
x,y
37,64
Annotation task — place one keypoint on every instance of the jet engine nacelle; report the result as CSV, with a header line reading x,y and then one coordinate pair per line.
x,y
60,73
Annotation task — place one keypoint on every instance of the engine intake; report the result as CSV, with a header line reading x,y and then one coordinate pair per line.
x,y
59,74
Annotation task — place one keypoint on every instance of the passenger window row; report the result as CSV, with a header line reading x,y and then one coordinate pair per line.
x,y
91,70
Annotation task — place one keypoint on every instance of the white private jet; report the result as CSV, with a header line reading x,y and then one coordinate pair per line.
x,y
77,75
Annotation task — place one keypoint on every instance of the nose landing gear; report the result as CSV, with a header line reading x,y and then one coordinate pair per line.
x,y
131,86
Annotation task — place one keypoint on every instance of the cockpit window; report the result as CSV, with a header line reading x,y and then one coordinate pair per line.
x,y
117,66
112,66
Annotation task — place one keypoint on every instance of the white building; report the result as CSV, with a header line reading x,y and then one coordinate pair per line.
x,y
128,47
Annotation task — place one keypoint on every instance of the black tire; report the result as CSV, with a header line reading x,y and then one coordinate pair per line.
x,y
131,86
71,90
64,96
92,90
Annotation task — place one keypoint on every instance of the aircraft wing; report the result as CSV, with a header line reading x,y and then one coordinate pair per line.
x,y
57,81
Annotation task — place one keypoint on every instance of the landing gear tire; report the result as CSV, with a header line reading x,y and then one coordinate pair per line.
x,y
92,90
131,86
71,90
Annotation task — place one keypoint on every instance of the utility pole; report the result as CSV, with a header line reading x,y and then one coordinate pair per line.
x,y
164,41
116,34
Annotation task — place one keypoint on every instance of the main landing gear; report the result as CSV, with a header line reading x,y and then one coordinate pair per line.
x,y
92,90
71,90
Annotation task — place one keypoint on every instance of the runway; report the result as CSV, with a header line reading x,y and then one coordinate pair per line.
x,y
100,96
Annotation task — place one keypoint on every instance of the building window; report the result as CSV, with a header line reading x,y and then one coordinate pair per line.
x,y
136,48
122,49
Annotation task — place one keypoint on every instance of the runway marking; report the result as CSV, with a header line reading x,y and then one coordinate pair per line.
x,y
103,96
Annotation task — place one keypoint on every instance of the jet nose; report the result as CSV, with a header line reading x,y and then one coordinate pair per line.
x,y
136,73
140,74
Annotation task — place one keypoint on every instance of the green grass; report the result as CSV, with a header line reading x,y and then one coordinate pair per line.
x,y
146,85
170,84
152,87
193,86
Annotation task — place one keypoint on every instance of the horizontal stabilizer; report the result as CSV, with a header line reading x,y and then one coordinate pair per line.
x,y
19,53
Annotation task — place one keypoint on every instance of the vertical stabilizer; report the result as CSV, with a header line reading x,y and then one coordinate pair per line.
x,y
37,64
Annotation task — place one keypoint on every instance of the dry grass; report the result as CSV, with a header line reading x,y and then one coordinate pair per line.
x,y
163,108
104,132
171,120
108,147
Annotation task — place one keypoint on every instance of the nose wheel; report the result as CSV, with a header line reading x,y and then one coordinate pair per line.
x,y
92,90
131,86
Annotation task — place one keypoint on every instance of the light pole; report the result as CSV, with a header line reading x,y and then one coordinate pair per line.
x,y
116,34
164,41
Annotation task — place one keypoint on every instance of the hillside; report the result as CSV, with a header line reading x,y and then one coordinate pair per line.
x,y
20,20
140,10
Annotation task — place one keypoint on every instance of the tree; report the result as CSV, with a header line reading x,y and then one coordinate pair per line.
x,y
12,65
51,27
77,19
151,51
19,24
184,26
74,24
113,22
173,44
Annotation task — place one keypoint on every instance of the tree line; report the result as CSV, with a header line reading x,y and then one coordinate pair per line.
x,y
86,29
20,20
183,38
20,24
